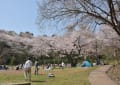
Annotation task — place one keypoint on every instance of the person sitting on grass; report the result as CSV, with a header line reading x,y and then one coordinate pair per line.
x,y
27,69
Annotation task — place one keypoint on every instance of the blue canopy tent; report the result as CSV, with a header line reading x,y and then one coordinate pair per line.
x,y
86,64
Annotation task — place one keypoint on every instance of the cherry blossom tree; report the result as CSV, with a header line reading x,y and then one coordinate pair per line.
x,y
111,42
97,12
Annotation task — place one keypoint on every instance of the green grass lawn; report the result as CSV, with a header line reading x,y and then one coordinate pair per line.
x,y
68,76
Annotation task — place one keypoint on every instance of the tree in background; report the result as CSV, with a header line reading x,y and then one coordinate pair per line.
x,y
12,60
110,45
97,12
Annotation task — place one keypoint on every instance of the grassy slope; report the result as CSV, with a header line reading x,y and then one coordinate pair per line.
x,y
69,76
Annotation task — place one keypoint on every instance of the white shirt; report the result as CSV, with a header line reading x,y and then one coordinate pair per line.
x,y
28,64
63,64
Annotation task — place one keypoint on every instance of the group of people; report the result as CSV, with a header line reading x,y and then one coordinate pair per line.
x,y
27,69
3,67
28,65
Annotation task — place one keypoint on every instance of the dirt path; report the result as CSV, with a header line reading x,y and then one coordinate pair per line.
x,y
99,76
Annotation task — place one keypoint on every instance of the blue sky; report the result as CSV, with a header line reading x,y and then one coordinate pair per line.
x,y
19,16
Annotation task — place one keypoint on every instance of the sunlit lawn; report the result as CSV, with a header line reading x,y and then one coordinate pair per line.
x,y
68,76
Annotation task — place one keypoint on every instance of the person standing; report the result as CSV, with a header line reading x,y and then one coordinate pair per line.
x,y
27,69
63,65
36,67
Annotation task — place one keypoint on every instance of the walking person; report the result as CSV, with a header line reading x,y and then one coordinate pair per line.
x,y
36,67
27,69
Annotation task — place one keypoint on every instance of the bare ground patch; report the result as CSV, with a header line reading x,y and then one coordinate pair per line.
x,y
114,73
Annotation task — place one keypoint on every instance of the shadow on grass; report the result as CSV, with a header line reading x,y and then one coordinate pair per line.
x,y
38,81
